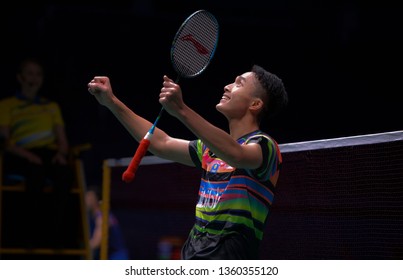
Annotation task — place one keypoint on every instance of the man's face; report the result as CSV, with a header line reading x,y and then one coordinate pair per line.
x,y
238,96
90,199
31,77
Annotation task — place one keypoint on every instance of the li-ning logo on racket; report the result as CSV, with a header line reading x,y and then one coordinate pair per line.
x,y
199,47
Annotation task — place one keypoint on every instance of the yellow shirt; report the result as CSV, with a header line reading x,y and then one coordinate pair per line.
x,y
31,123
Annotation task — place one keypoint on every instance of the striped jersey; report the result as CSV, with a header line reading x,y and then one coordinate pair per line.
x,y
31,122
232,200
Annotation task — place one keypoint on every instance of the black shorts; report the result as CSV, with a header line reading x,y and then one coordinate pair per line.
x,y
218,247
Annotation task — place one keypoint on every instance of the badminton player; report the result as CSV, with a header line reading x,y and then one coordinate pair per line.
x,y
239,169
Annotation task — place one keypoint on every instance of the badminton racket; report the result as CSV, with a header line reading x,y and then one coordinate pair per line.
x,y
192,49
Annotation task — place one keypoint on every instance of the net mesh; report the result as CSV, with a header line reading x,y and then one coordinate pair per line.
x,y
335,199
194,44
340,201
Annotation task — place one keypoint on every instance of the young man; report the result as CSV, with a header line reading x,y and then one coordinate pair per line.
x,y
239,169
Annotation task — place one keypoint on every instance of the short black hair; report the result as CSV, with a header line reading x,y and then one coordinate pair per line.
x,y
275,90
27,60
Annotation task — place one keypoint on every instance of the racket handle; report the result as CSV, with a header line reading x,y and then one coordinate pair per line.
x,y
128,175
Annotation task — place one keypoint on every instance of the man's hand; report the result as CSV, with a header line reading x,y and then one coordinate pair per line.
x,y
171,97
31,157
59,158
101,88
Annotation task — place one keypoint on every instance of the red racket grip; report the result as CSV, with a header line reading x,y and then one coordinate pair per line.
x,y
128,175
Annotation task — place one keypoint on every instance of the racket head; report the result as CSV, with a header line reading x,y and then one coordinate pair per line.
x,y
194,44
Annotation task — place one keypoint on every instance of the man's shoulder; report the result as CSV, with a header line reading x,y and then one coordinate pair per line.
x,y
259,136
8,99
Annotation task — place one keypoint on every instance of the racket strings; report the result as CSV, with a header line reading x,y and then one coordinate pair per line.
x,y
194,44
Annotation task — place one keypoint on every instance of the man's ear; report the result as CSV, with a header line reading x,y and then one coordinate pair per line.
x,y
256,105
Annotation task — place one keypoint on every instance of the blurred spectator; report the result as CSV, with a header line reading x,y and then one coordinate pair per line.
x,y
116,244
36,149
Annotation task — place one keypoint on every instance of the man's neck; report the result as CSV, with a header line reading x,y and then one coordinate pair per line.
x,y
239,128
29,94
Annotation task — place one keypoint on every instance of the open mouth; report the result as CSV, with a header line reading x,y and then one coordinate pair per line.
x,y
225,97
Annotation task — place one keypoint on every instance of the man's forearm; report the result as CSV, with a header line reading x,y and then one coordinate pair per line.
x,y
219,141
134,124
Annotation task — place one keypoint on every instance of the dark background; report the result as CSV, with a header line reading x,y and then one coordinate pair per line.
x,y
340,62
